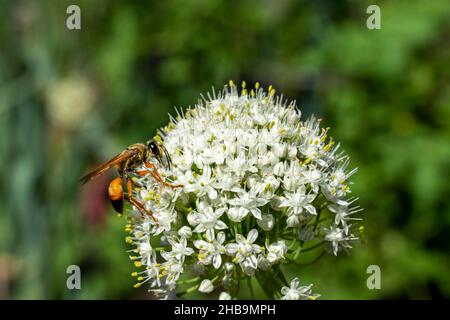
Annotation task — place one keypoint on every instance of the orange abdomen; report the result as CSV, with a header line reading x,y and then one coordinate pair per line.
x,y
115,192
115,189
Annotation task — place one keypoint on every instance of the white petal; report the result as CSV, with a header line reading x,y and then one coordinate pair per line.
x,y
231,248
217,261
210,235
220,225
252,235
311,209
256,213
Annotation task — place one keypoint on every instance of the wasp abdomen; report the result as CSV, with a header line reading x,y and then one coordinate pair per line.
x,y
115,193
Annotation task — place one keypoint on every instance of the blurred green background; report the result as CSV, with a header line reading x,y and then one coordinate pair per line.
x,y
71,99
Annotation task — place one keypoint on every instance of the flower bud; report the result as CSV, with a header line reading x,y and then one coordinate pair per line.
x,y
278,170
267,222
292,152
206,286
280,149
185,232
224,296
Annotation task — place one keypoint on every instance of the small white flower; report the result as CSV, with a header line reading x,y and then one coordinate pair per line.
x,y
208,220
203,184
245,250
276,251
343,213
313,177
250,201
338,238
240,165
297,292
179,249
211,251
297,203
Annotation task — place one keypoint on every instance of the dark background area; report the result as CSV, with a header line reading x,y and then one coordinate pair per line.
x,y
70,99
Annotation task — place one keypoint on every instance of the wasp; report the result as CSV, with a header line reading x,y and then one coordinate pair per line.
x,y
129,163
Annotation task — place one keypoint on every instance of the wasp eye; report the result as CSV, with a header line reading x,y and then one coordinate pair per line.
x,y
154,148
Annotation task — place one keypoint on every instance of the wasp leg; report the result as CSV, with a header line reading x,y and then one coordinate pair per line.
x,y
129,197
153,171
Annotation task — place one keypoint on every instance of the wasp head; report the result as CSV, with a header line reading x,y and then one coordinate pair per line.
x,y
159,152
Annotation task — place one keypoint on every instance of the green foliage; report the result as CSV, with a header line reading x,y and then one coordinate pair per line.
x,y
71,99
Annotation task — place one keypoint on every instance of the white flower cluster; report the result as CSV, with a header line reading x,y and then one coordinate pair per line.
x,y
259,186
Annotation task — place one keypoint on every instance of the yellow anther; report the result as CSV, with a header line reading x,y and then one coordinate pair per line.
x,y
231,83
157,138
243,84
138,264
134,274
140,278
137,285
128,240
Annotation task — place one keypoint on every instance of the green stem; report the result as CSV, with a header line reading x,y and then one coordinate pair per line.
x,y
182,293
189,280
250,285
311,262
314,246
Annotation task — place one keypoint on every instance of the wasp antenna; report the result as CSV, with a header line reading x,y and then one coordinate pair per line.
x,y
169,160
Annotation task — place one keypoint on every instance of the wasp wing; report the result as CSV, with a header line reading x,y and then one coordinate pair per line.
x,y
121,157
